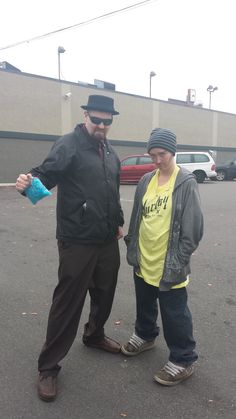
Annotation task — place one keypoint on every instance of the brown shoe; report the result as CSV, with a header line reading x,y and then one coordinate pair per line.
x,y
106,344
47,388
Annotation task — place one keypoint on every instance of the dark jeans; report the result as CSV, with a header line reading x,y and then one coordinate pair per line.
x,y
82,268
176,319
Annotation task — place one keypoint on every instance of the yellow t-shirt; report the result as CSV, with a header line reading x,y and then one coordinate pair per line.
x,y
154,229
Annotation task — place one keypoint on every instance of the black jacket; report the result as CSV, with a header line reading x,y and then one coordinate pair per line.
x,y
88,203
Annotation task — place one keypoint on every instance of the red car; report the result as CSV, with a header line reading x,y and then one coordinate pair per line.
x,y
134,167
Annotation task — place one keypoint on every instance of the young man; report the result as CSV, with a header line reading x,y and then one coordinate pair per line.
x,y
85,169
165,228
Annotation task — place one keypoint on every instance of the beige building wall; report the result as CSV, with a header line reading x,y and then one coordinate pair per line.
x,y
29,104
193,126
34,108
226,133
38,105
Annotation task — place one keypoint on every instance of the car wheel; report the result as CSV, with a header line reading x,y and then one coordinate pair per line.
x,y
200,176
221,175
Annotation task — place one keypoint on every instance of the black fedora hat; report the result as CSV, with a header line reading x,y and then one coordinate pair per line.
x,y
100,103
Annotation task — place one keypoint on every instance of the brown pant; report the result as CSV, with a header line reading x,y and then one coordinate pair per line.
x,y
82,268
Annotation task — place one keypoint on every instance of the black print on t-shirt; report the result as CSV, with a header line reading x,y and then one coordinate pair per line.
x,y
155,207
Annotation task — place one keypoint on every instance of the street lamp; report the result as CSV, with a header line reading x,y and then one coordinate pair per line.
x,y
60,50
211,89
152,74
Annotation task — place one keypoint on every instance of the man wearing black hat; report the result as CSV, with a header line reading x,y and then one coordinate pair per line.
x,y
165,228
85,169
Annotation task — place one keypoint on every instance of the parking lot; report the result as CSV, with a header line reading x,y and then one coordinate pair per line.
x,y
93,384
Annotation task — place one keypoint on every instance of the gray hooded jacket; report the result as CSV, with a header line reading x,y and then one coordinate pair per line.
x,y
186,228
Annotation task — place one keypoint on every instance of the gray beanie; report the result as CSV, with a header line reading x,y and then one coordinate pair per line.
x,y
162,138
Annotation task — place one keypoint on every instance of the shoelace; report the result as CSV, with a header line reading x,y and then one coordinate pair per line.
x,y
173,369
136,341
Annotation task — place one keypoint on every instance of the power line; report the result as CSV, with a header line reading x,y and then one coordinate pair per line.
x,y
86,22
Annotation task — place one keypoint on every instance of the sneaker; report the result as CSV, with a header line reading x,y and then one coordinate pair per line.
x,y
136,345
173,374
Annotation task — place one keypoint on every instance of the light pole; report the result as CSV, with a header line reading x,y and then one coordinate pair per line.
x,y
211,89
60,50
151,75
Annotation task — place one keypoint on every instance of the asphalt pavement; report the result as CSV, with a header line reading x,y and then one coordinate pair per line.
x,y
95,384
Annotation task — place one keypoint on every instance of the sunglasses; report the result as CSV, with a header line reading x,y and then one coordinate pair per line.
x,y
98,121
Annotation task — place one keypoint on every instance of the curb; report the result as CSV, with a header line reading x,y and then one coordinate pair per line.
x,y
7,185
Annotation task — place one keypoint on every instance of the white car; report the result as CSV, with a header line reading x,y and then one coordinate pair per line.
x,y
200,163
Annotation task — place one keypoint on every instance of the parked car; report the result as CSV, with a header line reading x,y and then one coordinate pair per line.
x,y
226,171
134,167
200,163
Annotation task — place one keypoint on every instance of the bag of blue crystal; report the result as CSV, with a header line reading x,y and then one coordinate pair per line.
x,y
36,191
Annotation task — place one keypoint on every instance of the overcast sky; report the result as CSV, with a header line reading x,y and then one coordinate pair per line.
x,y
187,43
